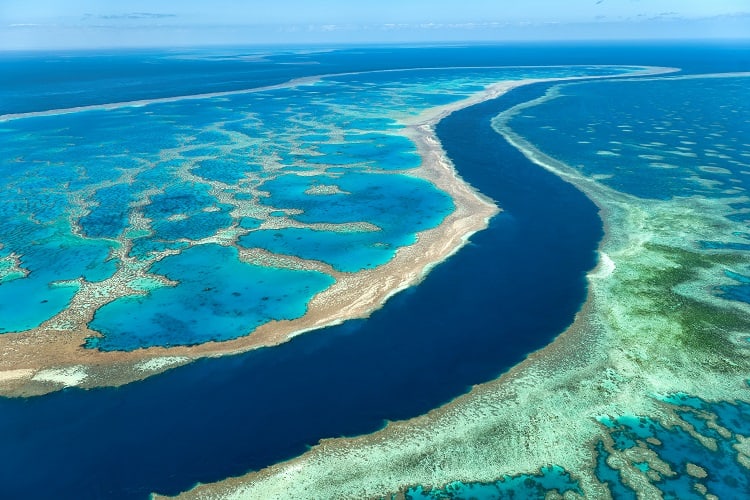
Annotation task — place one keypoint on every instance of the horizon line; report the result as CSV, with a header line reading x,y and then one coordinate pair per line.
x,y
376,43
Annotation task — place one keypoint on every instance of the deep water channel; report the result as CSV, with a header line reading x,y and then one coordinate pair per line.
x,y
514,288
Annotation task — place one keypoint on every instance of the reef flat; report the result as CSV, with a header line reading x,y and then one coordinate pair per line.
x,y
647,391
142,234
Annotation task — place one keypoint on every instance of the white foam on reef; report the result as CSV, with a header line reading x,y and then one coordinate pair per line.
x,y
155,364
68,377
605,269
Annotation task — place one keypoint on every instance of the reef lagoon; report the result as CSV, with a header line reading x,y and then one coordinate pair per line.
x,y
507,270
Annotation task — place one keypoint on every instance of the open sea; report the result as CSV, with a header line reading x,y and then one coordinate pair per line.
x,y
509,292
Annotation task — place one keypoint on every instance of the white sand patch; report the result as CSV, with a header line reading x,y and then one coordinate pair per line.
x,y
324,189
7,375
662,165
68,377
602,177
153,364
651,157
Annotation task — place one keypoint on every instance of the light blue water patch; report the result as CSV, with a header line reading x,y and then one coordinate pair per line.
x,y
160,173
205,150
195,226
143,247
250,223
682,399
67,257
213,137
218,298
642,466
182,198
398,204
379,151
110,216
521,487
180,212
313,138
226,170
345,251
26,303
96,134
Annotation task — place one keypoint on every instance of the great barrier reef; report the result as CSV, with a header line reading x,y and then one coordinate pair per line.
x,y
446,271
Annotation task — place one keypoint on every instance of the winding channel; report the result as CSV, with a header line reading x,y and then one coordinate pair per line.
x,y
510,292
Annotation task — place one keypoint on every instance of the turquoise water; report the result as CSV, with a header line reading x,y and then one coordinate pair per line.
x,y
347,251
158,179
230,407
52,259
521,487
726,477
217,297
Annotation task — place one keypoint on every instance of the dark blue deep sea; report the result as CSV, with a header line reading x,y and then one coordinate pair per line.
x,y
510,292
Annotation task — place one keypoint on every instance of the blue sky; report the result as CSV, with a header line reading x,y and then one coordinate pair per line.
x,y
32,24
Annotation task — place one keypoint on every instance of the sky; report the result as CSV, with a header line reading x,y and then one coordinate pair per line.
x,y
45,24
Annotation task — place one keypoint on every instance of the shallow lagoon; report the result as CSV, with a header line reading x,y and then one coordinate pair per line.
x,y
240,297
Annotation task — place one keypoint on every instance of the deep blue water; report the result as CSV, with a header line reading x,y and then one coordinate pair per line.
x,y
509,292
515,287
69,79
657,139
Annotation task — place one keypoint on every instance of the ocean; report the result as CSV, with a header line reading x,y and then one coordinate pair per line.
x,y
509,292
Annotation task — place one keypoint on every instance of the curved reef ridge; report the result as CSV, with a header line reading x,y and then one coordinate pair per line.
x,y
102,322
646,392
